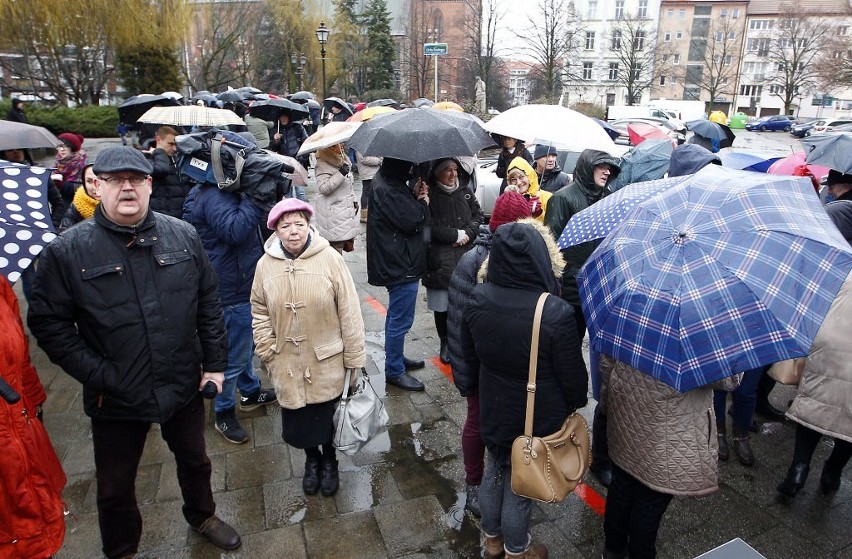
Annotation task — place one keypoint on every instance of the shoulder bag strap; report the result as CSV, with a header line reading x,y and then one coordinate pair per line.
x,y
346,384
539,308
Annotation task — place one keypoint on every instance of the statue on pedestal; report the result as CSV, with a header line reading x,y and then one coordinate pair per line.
x,y
479,106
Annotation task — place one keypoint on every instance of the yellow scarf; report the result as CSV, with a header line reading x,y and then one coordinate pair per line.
x,y
84,203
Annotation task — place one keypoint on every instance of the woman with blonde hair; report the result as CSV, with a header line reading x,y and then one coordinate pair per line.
x,y
337,208
522,175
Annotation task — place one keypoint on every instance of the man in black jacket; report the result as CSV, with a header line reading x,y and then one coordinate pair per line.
x,y
127,303
396,259
550,175
169,187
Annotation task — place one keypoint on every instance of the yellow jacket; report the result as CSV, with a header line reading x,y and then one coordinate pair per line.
x,y
537,198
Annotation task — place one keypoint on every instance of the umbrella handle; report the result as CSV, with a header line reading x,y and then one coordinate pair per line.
x,y
8,393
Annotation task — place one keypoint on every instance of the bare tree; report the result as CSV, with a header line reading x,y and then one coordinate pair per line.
x,y
800,39
834,68
482,56
552,35
414,65
640,57
717,52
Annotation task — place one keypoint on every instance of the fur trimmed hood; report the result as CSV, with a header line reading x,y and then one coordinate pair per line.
x,y
556,263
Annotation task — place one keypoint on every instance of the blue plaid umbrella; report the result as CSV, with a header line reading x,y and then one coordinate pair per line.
x,y
25,226
724,272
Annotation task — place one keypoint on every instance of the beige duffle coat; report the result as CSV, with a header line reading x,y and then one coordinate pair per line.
x,y
824,398
664,438
306,317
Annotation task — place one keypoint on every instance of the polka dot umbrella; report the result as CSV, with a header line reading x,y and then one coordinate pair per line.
x,y
25,226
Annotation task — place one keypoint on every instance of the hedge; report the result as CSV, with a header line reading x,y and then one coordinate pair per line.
x,y
91,122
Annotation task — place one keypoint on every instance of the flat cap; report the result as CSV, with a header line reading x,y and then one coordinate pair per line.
x,y
122,158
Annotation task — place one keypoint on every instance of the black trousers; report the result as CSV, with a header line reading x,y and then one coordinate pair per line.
x,y
118,448
634,512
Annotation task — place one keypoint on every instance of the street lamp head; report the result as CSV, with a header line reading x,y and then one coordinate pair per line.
x,y
303,60
322,33
293,59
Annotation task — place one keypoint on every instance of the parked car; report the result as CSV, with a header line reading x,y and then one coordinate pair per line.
x,y
800,129
827,125
624,139
773,123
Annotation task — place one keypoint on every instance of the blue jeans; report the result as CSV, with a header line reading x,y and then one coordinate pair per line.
x,y
744,399
503,512
240,371
400,316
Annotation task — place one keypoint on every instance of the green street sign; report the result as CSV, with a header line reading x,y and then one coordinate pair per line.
x,y
434,49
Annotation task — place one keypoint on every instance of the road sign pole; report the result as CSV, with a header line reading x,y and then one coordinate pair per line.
x,y
435,58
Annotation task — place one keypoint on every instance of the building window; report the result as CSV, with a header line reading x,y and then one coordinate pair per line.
x,y
673,80
676,59
637,71
619,9
643,9
590,40
843,30
587,70
665,58
787,23
759,46
723,12
615,44
670,13
751,90
703,10
613,71
720,36
732,35
776,89
668,37
728,59
679,35
662,80
735,13
639,40
681,14
761,24
593,10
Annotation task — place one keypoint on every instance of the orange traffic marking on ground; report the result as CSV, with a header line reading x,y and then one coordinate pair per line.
x,y
586,493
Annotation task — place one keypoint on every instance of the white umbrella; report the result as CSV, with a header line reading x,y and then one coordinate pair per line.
x,y
299,174
191,115
329,135
552,125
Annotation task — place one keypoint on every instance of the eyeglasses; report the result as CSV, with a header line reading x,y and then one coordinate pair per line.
x,y
134,180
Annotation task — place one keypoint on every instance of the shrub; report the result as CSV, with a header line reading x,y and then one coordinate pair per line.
x,y
91,122
590,110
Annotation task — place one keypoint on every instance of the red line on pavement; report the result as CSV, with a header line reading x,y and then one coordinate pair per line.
x,y
377,306
448,372
586,493
592,498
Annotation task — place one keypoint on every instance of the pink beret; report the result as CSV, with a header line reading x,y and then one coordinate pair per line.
x,y
286,206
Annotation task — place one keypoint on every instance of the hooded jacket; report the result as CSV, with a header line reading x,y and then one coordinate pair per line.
x,y
536,197
496,334
396,223
306,317
577,196
690,158
449,212
337,209
554,179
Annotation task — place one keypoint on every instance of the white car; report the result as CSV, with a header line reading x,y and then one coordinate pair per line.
x,y
826,125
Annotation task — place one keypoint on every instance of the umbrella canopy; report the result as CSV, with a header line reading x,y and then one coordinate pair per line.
x,y
795,165
383,103
17,135
830,150
302,96
299,176
641,131
329,135
724,272
419,136
134,107
173,94
368,113
313,104
331,101
249,89
233,96
611,132
552,125
422,102
191,115
207,98
25,226
448,106
747,161
713,131
647,162
271,109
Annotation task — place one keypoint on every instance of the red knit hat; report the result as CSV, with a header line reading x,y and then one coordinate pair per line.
x,y
510,206
75,141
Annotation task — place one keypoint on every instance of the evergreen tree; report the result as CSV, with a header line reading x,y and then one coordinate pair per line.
x,y
380,46
148,70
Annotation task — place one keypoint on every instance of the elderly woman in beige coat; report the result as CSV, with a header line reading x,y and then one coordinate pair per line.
x,y
662,443
307,331
823,404
337,208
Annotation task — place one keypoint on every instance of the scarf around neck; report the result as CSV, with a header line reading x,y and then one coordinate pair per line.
x,y
84,203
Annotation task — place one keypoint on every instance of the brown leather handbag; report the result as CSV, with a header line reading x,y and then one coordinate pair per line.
x,y
548,468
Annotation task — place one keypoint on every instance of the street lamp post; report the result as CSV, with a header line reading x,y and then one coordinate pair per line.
x,y
322,37
299,67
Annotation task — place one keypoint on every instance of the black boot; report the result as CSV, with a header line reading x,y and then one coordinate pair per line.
x,y
444,353
722,438
795,480
330,477
829,480
763,406
311,481
742,447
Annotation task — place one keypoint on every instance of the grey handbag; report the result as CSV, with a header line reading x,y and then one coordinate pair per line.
x,y
359,416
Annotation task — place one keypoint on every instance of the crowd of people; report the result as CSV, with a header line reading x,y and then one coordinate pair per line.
x,y
158,287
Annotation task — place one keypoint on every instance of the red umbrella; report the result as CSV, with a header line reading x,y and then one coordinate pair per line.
x,y
640,131
796,166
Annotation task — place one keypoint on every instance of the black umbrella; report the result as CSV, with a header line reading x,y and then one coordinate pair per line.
x,y
713,131
328,102
419,136
271,109
232,96
249,89
134,107
423,102
383,103
207,98
302,96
